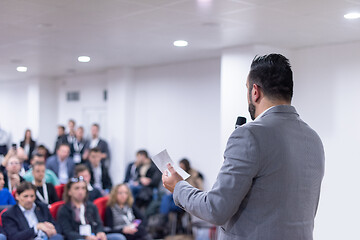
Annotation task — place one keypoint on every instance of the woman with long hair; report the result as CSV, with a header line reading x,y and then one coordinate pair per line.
x,y
79,218
121,216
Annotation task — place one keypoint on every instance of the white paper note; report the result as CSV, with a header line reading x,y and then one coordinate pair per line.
x,y
162,159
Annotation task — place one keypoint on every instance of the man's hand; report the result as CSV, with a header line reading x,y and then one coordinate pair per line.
x,y
101,236
145,181
170,182
47,227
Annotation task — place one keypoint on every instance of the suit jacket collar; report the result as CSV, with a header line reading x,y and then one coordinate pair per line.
x,y
37,211
280,109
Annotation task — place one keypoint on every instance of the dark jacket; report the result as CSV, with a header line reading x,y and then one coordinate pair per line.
x,y
131,174
154,173
103,146
53,197
105,177
16,226
32,148
94,194
109,223
70,227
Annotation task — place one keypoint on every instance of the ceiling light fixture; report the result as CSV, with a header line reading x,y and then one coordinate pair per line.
x,y
84,59
21,69
180,43
352,15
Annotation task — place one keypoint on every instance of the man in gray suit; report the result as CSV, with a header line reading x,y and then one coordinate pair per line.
x,y
268,187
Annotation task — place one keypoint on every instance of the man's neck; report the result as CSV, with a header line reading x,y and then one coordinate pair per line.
x,y
38,183
268,104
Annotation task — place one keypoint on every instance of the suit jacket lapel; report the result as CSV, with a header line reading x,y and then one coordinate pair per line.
x,y
38,214
22,219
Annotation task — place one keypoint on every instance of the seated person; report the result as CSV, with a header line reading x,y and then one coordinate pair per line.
x,y
150,177
132,174
82,170
12,177
77,147
122,217
78,218
6,197
50,176
29,219
61,164
45,192
100,177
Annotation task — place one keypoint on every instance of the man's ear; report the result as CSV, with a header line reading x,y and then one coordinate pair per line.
x,y
256,93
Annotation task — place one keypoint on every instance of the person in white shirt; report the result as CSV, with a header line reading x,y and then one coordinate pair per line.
x,y
27,219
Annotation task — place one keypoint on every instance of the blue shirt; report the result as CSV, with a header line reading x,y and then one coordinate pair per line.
x,y
6,198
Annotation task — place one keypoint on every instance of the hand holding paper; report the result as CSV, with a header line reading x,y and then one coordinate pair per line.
x,y
172,174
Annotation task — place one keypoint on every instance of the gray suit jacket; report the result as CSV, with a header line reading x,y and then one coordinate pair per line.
x,y
268,187
52,163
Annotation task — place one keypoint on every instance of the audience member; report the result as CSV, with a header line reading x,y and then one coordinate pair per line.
x,y
11,174
79,218
82,170
132,175
150,177
28,144
97,142
70,136
100,177
29,219
196,179
50,176
61,164
42,150
6,197
45,191
5,142
78,146
122,217
61,138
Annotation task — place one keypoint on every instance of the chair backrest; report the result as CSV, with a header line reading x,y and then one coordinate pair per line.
x,y
54,208
100,203
60,190
1,213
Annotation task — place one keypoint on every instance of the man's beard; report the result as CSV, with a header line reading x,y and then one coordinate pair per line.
x,y
252,110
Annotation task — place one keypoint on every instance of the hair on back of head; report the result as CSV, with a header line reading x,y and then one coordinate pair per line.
x,y
273,74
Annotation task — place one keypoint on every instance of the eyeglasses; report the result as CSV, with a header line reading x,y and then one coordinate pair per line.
x,y
77,179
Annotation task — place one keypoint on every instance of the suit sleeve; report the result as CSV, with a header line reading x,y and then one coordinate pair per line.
x,y
10,225
241,163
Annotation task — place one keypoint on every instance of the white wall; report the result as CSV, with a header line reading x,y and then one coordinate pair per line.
x,y
326,96
177,107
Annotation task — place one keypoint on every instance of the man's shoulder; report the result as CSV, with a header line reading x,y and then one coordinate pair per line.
x,y
12,211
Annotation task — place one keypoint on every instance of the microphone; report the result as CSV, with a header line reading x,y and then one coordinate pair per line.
x,y
240,121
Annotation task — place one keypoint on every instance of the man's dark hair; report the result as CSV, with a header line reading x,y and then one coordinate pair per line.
x,y
63,144
25,186
72,121
38,164
36,154
143,152
95,150
96,125
186,164
62,127
272,73
80,168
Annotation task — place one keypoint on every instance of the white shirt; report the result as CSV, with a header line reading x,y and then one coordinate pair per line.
x,y
94,142
97,176
63,171
30,216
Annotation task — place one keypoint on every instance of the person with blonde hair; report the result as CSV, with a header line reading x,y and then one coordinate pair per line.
x,y
121,216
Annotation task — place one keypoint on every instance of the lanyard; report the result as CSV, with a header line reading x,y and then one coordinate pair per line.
x,y
45,198
82,215
78,146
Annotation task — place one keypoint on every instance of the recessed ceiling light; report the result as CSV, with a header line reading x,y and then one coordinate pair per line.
x,y
84,59
352,15
180,43
21,69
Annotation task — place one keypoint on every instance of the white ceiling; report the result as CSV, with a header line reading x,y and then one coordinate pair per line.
x,y
47,36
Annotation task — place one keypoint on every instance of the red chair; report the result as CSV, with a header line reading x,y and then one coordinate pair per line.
x,y
60,190
1,213
100,203
54,208
14,193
